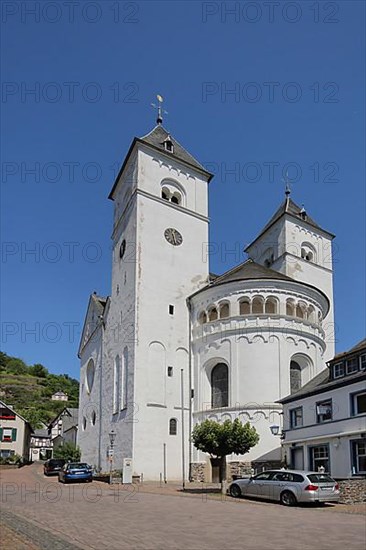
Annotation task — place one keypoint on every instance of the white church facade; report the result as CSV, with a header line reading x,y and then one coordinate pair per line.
x,y
227,346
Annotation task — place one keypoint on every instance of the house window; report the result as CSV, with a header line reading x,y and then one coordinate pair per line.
x,y
324,411
338,370
5,414
358,403
220,386
171,309
352,365
359,457
296,417
170,371
363,361
173,426
8,434
319,458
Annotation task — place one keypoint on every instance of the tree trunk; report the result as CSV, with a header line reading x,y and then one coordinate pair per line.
x,y
223,475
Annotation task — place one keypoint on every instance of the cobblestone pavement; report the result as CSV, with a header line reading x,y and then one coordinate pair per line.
x,y
101,517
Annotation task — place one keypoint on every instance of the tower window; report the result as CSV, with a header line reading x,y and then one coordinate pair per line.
x,y
173,426
164,195
168,145
171,309
170,371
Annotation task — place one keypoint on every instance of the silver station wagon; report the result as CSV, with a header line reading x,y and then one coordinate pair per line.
x,y
288,487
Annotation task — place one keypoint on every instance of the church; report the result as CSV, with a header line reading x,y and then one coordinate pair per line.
x,y
175,344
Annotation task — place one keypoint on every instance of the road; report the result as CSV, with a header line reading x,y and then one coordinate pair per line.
x,y
98,516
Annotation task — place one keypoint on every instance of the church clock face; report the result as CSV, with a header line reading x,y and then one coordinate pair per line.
x,y
173,236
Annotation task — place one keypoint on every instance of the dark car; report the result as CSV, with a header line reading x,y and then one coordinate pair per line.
x,y
75,471
53,466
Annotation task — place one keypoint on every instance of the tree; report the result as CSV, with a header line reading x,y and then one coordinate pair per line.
x,y
38,370
68,451
219,440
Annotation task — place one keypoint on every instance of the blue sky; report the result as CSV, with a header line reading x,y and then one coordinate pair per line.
x,y
249,87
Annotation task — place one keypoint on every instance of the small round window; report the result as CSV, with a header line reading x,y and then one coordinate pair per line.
x,y
90,372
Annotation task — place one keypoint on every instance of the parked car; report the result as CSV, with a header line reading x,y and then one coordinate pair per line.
x,y
53,466
288,487
75,471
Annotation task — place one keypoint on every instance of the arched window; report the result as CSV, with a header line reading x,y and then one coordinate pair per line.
x,y
244,306
300,311
165,194
90,373
311,314
295,376
320,317
173,424
308,252
212,314
257,305
93,418
220,386
124,381
176,198
224,310
117,385
290,307
202,318
84,423
271,305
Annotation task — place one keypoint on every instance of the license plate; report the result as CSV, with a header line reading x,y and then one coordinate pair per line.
x,y
327,488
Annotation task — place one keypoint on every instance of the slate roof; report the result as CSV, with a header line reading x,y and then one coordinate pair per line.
x,y
357,347
156,139
249,270
290,208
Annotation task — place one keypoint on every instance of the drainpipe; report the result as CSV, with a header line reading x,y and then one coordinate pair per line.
x,y
100,396
190,388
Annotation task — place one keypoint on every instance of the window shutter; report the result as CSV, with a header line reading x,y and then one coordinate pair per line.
x,y
1,434
14,434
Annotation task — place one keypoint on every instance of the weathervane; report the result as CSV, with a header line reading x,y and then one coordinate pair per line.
x,y
160,109
287,181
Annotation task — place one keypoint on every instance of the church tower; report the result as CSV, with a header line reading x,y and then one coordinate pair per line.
x,y
292,243
160,229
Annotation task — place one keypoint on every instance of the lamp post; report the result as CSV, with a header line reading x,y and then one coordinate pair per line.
x,y
275,430
112,437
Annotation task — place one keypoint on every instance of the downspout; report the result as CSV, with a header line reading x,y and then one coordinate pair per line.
x,y
100,396
190,390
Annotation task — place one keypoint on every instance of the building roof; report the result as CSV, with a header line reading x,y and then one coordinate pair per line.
x,y
155,139
41,432
358,347
323,382
71,419
3,404
290,208
249,270
60,392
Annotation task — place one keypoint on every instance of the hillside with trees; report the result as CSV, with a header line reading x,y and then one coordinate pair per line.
x,y
28,389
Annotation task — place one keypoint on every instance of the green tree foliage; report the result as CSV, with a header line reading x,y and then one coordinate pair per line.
x,y
68,451
28,389
220,440
38,370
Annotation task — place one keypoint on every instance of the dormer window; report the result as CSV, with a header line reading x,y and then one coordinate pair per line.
x,y
168,145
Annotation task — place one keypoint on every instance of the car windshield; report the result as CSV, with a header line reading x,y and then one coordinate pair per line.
x,y
78,466
56,463
320,478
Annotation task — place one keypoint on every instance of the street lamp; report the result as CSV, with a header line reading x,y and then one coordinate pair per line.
x,y
275,429
112,437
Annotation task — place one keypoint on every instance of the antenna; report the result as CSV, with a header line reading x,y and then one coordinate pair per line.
x,y
161,111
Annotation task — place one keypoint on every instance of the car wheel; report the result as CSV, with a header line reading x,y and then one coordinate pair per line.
x,y
235,491
288,499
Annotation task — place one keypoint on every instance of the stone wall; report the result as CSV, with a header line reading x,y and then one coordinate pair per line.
x,y
238,469
269,465
197,472
352,491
